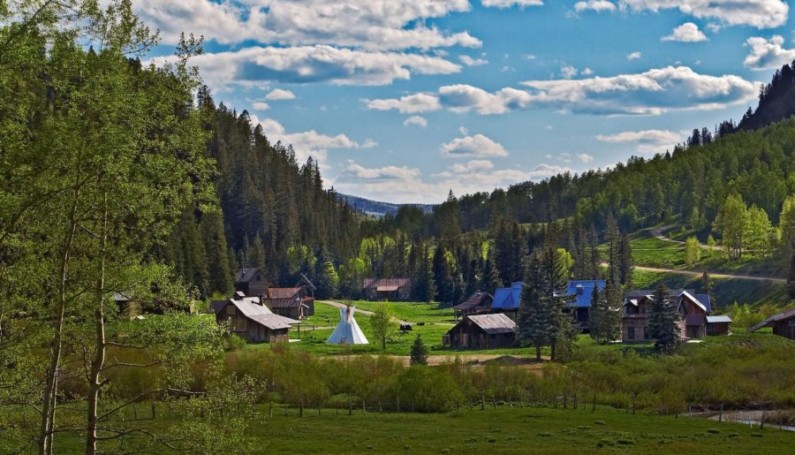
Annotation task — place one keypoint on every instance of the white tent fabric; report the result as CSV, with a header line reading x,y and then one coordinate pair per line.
x,y
347,331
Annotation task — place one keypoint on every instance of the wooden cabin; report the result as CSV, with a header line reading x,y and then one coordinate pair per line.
x,y
482,331
252,321
479,302
695,316
250,281
387,288
783,324
295,303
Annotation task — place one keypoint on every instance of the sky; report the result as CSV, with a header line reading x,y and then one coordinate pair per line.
x,y
405,100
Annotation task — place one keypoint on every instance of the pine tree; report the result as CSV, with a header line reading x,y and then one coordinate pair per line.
x,y
664,321
791,277
419,352
424,289
626,264
490,280
442,275
220,274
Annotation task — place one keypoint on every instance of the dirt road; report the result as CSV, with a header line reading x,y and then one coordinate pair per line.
x,y
364,312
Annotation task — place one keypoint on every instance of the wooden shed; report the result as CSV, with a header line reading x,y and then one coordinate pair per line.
x,y
718,325
250,281
295,303
483,331
783,324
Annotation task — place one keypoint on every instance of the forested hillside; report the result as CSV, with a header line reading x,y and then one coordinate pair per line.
x,y
276,215
270,212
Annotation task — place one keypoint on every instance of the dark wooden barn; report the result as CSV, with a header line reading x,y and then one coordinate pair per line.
x,y
252,321
251,282
783,324
483,331
479,302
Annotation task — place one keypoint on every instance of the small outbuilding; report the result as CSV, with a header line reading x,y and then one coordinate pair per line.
x,y
783,324
482,331
718,325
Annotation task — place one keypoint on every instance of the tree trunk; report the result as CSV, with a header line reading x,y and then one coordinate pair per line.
x,y
50,396
100,346
538,353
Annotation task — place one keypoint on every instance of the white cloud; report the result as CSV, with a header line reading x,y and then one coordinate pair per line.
x,y
410,104
260,105
510,3
463,98
279,94
650,93
767,54
309,143
477,146
594,5
543,171
472,166
646,141
568,72
402,173
469,61
587,72
364,24
255,65
584,157
756,13
416,120
686,33
634,56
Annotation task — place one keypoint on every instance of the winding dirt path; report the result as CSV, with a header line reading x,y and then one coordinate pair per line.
x,y
364,312
711,274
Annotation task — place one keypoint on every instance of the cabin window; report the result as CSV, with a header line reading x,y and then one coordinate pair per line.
x,y
631,333
645,333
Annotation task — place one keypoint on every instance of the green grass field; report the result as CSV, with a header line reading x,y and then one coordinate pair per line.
x,y
527,430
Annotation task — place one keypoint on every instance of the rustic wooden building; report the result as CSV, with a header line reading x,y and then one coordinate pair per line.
x,y
482,331
252,321
718,325
251,281
508,300
479,302
695,315
579,294
387,288
295,303
783,324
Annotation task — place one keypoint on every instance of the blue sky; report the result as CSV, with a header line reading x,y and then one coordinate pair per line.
x,y
404,100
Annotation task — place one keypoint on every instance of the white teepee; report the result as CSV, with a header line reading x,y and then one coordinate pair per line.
x,y
347,331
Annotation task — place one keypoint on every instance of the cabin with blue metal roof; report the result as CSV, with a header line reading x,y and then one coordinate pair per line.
x,y
508,300
579,294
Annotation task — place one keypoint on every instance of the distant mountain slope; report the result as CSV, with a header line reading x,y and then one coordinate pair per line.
x,y
377,208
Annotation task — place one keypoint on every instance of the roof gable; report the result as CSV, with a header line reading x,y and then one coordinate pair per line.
x,y
508,298
246,274
386,284
582,291
775,318
250,308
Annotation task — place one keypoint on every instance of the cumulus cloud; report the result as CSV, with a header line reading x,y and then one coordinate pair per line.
x,y
476,146
568,72
756,13
279,94
401,173
410,104
255,65
584,157
472,166
469,61
510,3
646,141
650,93
260,106
686,33
365,24
416,120
309,143
463,98
767,53
634,56
594,5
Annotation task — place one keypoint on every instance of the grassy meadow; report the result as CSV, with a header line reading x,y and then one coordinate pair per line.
x,y
503,429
